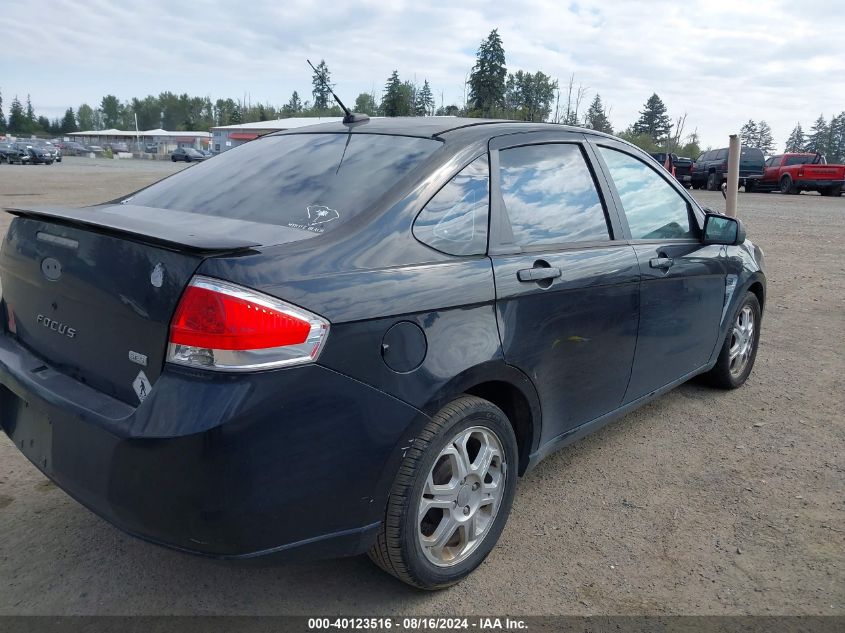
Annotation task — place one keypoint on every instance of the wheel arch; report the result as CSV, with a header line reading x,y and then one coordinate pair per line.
x,y
509,389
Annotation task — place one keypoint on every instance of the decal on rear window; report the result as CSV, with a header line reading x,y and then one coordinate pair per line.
x,y
316,216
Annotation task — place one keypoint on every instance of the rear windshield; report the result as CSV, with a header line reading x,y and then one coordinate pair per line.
x,y
752,153
311,182
800,160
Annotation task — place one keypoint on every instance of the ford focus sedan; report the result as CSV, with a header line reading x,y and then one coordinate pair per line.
x,y
355,338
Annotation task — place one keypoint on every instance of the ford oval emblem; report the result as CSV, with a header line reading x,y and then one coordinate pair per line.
x,y
52,268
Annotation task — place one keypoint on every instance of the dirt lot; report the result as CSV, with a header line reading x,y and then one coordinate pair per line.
x,y
702,502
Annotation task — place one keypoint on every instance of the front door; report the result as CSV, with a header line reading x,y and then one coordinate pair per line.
x,y
683,282
566,291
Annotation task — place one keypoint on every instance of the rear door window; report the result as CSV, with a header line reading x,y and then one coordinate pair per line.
x,y
455,220
721,153
654,209
550,195
311,182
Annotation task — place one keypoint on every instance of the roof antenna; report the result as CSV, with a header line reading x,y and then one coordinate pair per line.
x,y
350,117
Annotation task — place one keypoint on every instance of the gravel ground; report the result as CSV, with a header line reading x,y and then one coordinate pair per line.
x,y
702,502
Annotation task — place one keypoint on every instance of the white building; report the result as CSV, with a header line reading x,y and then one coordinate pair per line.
x,y
158,141
228,136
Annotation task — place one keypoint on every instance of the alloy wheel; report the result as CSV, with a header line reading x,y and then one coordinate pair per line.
x,y
742,341
461,496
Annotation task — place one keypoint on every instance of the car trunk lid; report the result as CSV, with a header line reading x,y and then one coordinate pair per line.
x,y
92,291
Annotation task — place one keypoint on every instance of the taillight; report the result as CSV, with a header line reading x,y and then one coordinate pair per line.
x,y
223,326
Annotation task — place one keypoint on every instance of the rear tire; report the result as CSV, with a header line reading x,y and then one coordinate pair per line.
x,y
470,441
749,186
831,191
712,182
739,350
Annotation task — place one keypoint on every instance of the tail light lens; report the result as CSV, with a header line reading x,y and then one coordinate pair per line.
x,y
222,326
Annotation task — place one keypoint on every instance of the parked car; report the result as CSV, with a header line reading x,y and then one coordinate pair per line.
x,y
794,173
346,339
118,147
710,169
187,154
38,155
680,167
11,153
205,152
50,148
76,149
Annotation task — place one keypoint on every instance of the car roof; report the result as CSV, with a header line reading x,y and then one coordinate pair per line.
x,y
436,127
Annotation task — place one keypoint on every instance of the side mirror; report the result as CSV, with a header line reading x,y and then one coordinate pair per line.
x,y
721,229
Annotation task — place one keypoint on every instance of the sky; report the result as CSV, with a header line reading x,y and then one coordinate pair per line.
x,y
720,62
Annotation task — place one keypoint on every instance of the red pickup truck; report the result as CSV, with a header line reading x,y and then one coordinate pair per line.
x,y
794,173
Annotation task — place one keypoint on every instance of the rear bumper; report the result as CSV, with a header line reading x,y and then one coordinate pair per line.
x,y
222,465
819,184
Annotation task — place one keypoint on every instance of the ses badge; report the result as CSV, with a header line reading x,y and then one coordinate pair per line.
x,y
141,385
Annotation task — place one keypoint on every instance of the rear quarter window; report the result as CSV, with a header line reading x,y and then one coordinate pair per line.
x,y
311,182
720,154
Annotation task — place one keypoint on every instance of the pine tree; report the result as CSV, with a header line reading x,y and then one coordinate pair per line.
x,y
795,142
596,118
293,106
817,140
2,117
321,88
654,121
391,102
30,113
765,140
68,122
836,142
487,79
235,114
17,118
749,135
424,102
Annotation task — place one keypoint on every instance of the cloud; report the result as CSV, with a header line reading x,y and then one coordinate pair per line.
x,y
721,63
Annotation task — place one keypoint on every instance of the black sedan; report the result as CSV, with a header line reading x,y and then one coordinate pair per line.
x,y
38,155
10,153
346,339
187,154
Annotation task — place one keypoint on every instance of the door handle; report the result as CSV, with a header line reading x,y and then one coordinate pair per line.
x,y
538,274
663,263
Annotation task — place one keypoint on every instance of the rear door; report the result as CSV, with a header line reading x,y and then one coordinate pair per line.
x,y
566,287
683,282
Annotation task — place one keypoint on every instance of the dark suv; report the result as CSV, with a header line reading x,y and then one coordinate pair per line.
x,y
346,339
710,169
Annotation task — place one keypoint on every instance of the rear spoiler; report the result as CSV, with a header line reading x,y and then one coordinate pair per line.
x,y
176,230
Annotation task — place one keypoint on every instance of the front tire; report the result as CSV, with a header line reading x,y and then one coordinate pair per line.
x,y
451,497
739,350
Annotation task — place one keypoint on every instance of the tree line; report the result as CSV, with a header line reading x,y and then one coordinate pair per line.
x,y
492,92
826,138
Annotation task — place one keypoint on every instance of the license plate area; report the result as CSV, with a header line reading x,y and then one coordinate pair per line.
x,y
29,428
